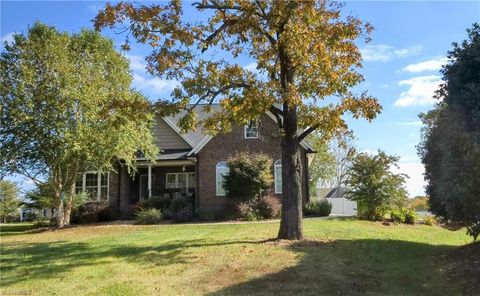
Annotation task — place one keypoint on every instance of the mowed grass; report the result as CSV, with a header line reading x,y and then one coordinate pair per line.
x,y
338,257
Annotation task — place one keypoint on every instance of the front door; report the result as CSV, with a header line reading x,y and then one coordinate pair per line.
x,y
143,188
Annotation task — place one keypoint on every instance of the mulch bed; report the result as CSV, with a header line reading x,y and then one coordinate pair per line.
x,y
464,267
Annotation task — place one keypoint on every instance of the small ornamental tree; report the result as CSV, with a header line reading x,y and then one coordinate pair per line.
x,y
9,200
67,107
374,186
304,52
250,175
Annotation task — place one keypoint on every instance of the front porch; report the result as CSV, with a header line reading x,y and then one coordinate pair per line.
x,y
162,178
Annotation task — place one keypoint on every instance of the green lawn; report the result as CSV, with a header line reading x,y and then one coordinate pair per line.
x,y
339,257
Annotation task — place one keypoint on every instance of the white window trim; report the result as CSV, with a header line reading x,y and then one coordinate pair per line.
x,y
278,163
99,183
245,130
176,179
216,177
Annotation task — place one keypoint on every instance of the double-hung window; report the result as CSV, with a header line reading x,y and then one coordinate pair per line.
x,y
180,180
251,130
94,184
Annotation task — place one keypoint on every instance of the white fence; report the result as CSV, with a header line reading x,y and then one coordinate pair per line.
x,y
343,206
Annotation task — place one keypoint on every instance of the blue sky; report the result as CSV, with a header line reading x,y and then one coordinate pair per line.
x,y
401,64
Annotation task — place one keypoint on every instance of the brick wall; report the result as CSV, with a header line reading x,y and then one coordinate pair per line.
x,y
222,146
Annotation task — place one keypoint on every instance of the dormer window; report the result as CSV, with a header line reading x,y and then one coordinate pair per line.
x,y
251,130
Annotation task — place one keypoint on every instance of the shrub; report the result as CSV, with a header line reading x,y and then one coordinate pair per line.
x,y
430,220
403,215
180,210
410,216
250,175
184,214
398,215
148,216
267,206
243,209
161,202
318,208
253,216
205,215
95,211
42,222
31,217
264,207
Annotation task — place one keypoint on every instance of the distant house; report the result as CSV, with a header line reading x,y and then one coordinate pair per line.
x,y
337,196
193,164
27,213
332,192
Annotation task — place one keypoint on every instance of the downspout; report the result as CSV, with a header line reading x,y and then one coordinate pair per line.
x,y
197,177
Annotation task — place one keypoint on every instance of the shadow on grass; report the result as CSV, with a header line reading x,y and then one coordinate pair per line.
x,y
7,229
343,267
356,267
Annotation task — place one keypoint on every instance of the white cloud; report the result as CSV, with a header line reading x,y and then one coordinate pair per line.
x,y
411,123
420,91
369,151
415,184
137,63
7,38
251,67
144,81
385,53
154,85
429,65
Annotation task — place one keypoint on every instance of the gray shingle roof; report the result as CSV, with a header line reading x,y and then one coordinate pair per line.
x,y
194,136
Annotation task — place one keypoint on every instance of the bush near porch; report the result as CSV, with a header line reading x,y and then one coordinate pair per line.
x,y
175,207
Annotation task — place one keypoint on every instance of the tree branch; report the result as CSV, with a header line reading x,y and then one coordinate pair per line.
x,y
213,94
278,115
307,132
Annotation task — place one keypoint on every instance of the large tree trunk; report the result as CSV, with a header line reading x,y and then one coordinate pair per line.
x,y
67,211
291,223
58,208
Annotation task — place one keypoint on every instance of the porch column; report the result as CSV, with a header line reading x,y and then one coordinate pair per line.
x,y
149,181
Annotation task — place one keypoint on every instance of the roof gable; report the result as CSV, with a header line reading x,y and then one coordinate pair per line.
x,y
199,138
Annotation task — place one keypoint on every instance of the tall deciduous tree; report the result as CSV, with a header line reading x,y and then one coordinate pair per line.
x,y
304,51
67,106
9,200
450,147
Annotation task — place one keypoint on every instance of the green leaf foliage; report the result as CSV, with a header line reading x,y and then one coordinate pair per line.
x,y
450,146
374,186
9,200
67,106
250,175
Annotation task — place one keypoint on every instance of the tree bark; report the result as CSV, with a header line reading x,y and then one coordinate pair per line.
x,y
67,211
291,226
58,207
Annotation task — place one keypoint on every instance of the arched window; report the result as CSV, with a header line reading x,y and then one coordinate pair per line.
x,y
221,171
277,171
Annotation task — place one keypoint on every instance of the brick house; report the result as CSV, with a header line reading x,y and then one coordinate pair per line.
x,y
193,164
